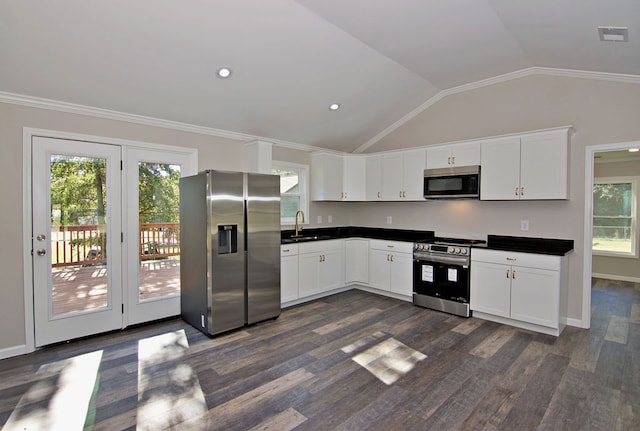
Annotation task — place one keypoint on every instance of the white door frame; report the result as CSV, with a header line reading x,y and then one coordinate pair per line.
x,y
590,152
27,135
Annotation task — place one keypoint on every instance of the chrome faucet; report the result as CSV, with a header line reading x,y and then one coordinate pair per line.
x,y
298,228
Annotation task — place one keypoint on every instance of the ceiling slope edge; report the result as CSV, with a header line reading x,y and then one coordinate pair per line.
x,y
569,73
72,108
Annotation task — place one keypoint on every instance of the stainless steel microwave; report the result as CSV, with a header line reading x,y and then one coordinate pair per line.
x,y
452,183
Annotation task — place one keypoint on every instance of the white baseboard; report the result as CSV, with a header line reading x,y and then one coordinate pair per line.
x,y
10,352
616,277
570,321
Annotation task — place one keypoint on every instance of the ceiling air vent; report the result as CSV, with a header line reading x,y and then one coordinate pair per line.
x,y
613,34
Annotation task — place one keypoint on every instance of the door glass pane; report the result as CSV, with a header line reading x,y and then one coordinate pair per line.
x,y
78,233
159,230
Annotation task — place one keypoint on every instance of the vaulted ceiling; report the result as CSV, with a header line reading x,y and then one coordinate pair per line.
x,y
290,59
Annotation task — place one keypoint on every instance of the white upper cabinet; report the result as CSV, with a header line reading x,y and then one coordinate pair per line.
x,y
354,178
373,178
337,178
527,167
403,175
448,156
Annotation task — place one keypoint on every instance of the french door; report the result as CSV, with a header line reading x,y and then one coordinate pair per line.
x,y
152,232
76,202
105,236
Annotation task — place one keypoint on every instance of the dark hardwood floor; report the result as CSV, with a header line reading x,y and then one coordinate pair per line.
x,y
352,361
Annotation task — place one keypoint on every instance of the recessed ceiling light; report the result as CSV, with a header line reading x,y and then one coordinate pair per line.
x,y
224,72
613,34
634,150
334,106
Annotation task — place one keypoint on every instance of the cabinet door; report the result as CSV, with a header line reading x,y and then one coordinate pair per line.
x,y
331,270
439,157
402,274
500,176
308,273
535,296
543,166
356,261
374,178
354,177
288,278
326,177
465,154
379,271
491,288
413,174
392,177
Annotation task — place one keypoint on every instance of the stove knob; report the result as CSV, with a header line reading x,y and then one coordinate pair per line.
x,y
463,251
458,251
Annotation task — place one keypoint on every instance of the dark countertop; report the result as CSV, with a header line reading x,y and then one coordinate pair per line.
x,y
325,233
557,247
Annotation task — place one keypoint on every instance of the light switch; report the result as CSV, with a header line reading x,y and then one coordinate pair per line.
x,y
524,225
320,219
329,219
389,220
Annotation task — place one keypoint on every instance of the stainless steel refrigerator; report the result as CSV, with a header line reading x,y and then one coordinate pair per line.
x,y
229,249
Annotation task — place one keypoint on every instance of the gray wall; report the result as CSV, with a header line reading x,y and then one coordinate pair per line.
x,y
617,267
601,112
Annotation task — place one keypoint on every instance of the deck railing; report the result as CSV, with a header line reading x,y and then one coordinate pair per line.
x,y
86,245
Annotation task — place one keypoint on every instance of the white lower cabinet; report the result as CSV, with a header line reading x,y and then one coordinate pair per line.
x,y
356,269
523,289
288,273
391,266
320,266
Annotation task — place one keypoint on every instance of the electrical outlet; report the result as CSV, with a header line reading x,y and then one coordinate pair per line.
x,y
389,220
524,225
319,219
329,219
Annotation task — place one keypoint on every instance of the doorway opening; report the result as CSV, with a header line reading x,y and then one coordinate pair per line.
x,y
611,242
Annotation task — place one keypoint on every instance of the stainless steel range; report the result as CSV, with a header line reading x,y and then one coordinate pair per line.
x,y
441,275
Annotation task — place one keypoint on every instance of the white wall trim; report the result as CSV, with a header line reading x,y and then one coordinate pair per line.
x,y
616,277
73,108
10,352
616,77
589,154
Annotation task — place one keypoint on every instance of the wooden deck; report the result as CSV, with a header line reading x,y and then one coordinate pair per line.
x,y
82,288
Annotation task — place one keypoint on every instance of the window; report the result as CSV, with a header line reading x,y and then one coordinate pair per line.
x,y
615,217
294,190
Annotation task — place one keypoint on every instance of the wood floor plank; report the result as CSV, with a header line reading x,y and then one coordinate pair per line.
x,y
618,329
490,346
284,421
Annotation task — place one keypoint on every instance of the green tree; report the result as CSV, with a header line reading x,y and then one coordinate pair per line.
x,y
158,192
78,189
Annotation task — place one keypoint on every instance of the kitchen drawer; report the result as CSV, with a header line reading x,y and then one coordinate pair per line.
x,y
530,260
289,250
395,246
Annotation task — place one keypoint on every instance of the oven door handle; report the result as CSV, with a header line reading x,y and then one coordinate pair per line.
x,y
464,261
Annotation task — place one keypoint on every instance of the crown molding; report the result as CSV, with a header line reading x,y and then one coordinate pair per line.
x,y
73,108
531,71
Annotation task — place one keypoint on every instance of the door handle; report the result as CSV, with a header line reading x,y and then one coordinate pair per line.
x,y
41,252
41,237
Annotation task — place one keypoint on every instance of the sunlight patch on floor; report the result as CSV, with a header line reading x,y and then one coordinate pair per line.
x,y
60,400
389,360
169,391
